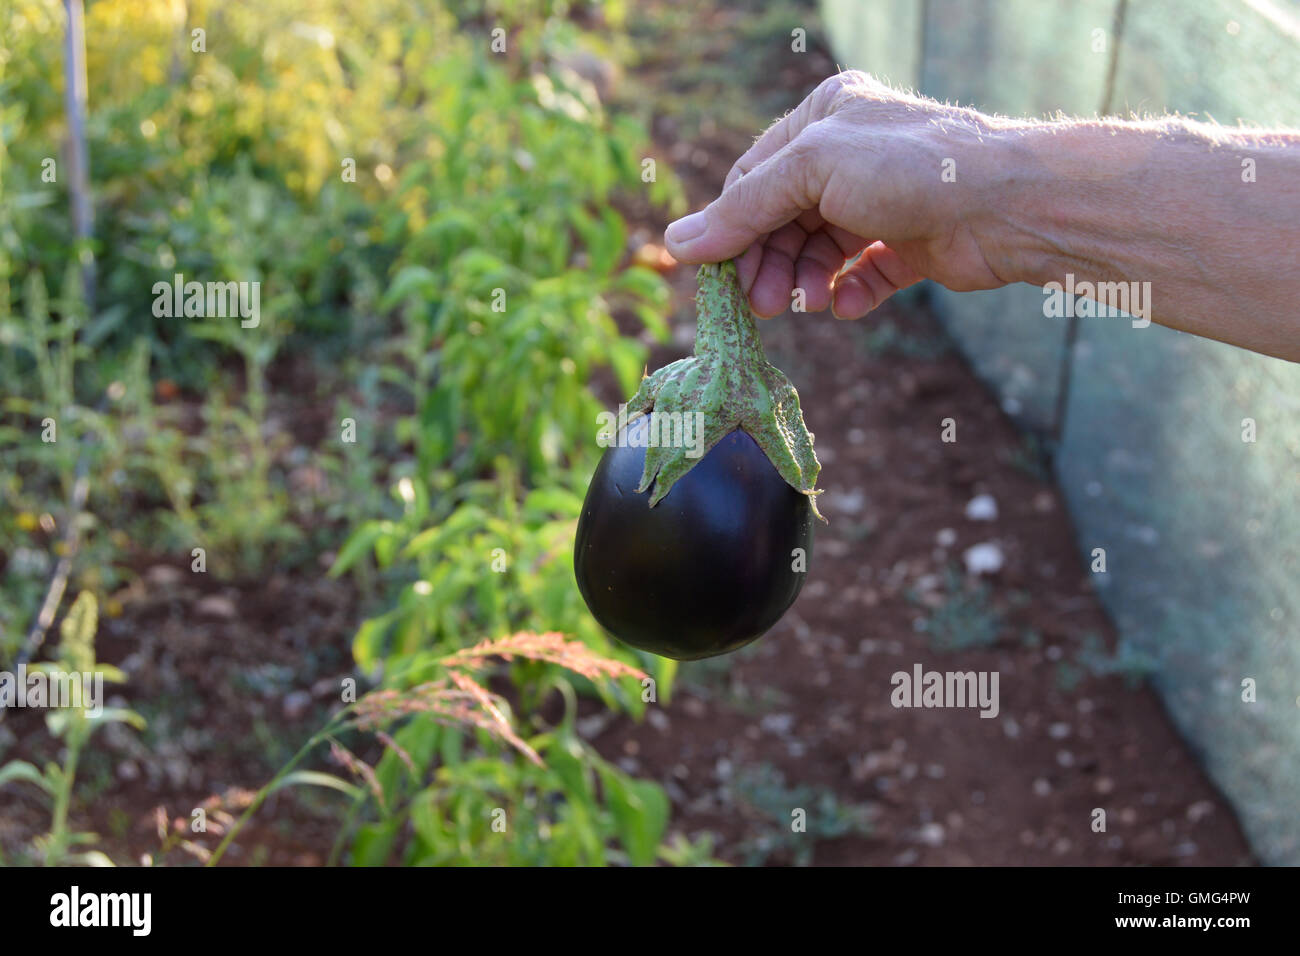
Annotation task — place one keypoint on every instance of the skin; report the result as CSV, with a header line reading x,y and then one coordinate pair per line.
x,y
858,167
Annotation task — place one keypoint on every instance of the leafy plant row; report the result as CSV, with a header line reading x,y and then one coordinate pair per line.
x,y
433,227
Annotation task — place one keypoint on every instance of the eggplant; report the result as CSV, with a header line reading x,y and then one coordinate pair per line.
x,y
695,546
709,568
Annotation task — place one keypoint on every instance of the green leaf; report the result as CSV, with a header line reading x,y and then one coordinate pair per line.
x,y
411,282
116,715
21,771
567,767
628,365
358,543
652,291
374,843
77,645
112,675
464,519
640,809
103,325
314,778
368,645
426,819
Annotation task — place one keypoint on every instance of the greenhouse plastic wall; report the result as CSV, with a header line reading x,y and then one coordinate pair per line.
x,y
1201,529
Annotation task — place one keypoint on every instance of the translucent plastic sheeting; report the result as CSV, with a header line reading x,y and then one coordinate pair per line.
x,y
1201,529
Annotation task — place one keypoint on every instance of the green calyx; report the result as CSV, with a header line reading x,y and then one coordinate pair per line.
x,y
727,384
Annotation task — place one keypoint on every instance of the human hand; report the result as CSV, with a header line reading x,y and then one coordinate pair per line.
x,y
858,168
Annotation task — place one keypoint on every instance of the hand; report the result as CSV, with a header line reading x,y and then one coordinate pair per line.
x,y
856,168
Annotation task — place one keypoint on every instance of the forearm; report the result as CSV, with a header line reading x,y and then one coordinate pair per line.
x,y
1169,203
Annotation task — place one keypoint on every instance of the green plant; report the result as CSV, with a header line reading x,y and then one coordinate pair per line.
x,y
1031,456
716,678
441,218
792,819
966,618
51,438
73,725
1128,662
483,557
224,494
458,783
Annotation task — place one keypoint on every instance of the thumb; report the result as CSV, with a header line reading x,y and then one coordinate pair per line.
x,y
773,193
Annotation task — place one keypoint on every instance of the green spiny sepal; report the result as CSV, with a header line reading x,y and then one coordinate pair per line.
x,y
727,384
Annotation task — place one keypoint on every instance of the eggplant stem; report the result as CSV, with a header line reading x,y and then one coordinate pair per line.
x,y
727,384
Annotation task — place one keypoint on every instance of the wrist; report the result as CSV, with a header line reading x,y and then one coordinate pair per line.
x,y
1023,220
1091,198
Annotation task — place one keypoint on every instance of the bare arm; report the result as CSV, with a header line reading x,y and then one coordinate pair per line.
x,y
1209,217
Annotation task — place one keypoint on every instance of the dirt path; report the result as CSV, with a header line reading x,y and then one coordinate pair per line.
x,y
804,718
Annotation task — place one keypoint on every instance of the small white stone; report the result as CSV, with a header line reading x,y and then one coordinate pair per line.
x,y
927,583
982,508
780,724
931,834
983,558
217,606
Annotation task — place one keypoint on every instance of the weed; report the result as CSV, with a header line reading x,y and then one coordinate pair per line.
x,y
1128,662
794,818
74,726
966,619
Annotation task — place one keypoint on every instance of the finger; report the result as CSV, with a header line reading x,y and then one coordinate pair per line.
x,y
770,294
874,277
816,266
747,264
775,192
816,258
849,243
817,105
777,136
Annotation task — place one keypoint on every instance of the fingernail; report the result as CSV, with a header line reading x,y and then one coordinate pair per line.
x,y
841,283
687,228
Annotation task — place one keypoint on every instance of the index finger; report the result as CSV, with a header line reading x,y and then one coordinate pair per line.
x,y
815,106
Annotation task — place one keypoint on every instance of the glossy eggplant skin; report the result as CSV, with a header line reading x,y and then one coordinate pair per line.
x,y
708,569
